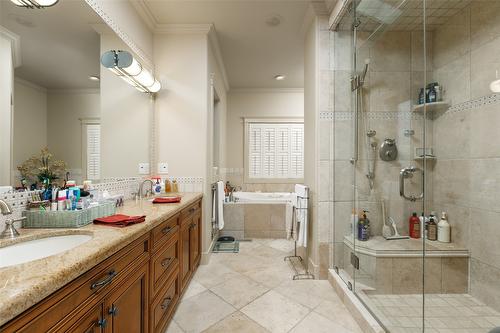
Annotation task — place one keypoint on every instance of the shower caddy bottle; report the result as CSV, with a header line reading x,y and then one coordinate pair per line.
x,y
414,226
363,227
444,230
432,229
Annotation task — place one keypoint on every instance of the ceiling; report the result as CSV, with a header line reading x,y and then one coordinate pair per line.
x,y
59,47
253,51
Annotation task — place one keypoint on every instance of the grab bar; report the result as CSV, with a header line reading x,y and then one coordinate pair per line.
x,y
408,173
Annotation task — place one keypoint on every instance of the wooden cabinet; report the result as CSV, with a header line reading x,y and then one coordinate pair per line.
x,y
126,307
190,242
136,290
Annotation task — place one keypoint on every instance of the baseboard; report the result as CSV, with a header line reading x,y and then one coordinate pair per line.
x,y
205,256
362,316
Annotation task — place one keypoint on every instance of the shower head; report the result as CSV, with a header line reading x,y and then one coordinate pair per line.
x,y
365,70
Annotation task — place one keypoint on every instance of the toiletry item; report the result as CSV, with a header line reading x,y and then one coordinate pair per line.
x,y
414,226
421,96
432,95
444,230
61,200
427,91
87,185
168,186
439,93
364,228
424,221
175,186
157,186
432,231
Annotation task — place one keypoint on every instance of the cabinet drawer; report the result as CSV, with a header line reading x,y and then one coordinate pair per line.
x,y
164,231
163,306
86,289
164,262
191,210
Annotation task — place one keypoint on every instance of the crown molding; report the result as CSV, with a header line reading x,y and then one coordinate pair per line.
x,y
15,41
145,13
266,90
30,84
175,28
75,91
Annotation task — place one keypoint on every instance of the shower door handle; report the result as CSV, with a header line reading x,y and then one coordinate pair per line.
x,y
407,173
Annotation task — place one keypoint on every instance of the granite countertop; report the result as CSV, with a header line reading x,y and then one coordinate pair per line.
x,y
22,286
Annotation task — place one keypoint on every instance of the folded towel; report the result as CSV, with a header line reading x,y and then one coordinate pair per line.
x,y
120,220
166,200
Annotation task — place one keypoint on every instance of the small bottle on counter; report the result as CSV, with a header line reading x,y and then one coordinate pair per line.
x,y
432,232
175,186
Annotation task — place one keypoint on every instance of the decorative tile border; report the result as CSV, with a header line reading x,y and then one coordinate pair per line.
x,y
474,104
384,115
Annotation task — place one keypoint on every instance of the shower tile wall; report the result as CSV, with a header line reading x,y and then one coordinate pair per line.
x,y
467,172
392,84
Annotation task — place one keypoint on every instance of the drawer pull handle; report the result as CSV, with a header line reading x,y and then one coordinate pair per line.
x,y
166,262
102,323
191,211
113,310
107,280
167,230
166,303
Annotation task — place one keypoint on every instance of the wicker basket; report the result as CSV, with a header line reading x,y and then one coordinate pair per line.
x,y
67,218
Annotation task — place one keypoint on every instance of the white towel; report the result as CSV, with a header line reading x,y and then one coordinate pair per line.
x,y
220,202
302,193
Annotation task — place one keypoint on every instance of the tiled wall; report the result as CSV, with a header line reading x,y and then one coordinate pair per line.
x,y
467,172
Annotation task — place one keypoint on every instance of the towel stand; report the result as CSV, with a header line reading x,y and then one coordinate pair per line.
x,y
297,275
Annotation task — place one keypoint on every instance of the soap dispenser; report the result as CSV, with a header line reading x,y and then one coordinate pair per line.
x,y
444,229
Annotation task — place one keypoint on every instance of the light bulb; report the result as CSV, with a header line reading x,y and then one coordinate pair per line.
x,y
145,78
134,69
495,86
155,87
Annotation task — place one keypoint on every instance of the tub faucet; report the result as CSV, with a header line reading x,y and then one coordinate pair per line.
x,y
141,188
233,189
10,230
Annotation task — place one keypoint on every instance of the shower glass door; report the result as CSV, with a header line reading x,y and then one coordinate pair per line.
x,y
388,172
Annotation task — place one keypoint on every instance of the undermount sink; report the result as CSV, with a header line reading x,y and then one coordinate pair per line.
x,y
39,248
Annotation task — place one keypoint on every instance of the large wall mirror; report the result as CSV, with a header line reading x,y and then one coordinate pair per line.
x,y
64,102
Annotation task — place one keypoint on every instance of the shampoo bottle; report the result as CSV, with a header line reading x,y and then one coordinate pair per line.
x,y
444,230
432,229
414,226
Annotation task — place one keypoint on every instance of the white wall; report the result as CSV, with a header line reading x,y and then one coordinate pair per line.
x,y
256,104
181,105
29,123
64,111
125,120
6,68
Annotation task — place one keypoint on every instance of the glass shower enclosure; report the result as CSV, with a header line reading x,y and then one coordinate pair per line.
x,y
415,219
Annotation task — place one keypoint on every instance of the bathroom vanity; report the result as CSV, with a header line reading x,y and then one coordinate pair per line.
x,y
122,280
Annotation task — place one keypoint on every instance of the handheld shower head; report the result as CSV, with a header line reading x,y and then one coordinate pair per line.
x,y
365,70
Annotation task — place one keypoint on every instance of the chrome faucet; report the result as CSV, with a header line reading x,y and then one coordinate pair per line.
x,y
141,187
10,230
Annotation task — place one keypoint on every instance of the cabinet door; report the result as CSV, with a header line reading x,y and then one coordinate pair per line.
x,y
194,242
127,305
91,322
185,251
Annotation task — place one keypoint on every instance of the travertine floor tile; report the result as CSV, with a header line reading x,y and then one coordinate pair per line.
x,y
316,323
338,313
173,328
193,289
239,291
201,311
307,292
236,322
275,312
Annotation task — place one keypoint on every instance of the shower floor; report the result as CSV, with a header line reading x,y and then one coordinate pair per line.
x,y
443,313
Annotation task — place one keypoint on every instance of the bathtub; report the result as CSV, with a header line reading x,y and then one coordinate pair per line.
x,y
257,215
263,197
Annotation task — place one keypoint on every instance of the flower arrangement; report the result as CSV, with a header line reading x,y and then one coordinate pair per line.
x,y
42,169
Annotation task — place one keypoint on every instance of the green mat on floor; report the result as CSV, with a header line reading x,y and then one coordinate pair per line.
x,y
232,247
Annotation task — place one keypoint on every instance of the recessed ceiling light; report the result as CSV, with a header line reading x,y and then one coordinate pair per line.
x,y
279,77
94,78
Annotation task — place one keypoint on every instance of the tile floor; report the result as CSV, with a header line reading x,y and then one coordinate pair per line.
x,y
445,313
253,292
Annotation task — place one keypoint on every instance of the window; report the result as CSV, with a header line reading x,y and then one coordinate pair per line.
x,y
275,150
93,151
91,148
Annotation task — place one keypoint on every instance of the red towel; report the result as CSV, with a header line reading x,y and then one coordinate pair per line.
x,y
166,200
120,220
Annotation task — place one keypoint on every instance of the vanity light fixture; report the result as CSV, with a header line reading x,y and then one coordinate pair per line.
x,y
279,77
123,64
94,78
34,3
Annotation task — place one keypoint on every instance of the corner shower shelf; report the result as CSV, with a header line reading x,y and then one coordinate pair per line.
x,y
431,107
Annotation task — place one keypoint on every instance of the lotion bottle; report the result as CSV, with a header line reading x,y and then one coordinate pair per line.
x,y
444,230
